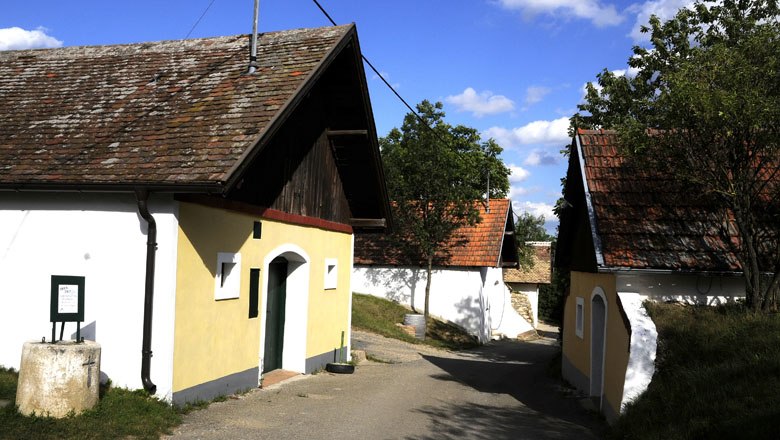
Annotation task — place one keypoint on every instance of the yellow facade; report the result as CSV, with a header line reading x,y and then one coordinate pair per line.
x,y
577,351
216,338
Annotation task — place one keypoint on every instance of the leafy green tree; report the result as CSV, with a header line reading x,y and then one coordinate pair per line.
x,y
529,228
435,173
704,107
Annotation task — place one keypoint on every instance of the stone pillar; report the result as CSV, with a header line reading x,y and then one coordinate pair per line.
x,y
55,379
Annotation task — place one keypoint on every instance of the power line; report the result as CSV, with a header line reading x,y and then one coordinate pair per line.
x,y
199,19
420,118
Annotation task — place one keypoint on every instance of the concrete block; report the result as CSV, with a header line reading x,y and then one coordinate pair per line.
x,y
55,379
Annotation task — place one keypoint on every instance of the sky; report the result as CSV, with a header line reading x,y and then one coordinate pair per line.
x,y
513,69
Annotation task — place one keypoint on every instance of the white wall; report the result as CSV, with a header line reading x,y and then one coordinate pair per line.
x,y
505,321
473,298
102,238
692,289
641,353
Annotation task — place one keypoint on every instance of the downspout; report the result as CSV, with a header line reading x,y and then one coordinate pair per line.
x,y
142,196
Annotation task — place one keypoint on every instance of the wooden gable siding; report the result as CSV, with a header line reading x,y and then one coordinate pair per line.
x,y
296,172
314,188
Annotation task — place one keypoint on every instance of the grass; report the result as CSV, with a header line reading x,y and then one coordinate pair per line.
x,y
717,377
120,413
380,316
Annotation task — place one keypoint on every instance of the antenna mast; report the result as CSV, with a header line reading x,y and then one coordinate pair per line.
x,y
253,46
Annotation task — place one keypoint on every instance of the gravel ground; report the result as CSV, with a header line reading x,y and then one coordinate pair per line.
x,y
498,391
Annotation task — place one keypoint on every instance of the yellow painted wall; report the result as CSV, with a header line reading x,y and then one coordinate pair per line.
x,y
213,339
577,350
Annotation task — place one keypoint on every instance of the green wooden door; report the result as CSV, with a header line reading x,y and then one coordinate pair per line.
x,y
274,314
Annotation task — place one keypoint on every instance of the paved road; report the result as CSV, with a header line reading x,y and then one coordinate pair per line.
x,y
500,391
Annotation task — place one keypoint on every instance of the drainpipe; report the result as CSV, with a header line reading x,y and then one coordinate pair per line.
x,y
142,196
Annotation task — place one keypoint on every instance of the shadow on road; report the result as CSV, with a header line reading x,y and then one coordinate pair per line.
x,y
518,369
476,421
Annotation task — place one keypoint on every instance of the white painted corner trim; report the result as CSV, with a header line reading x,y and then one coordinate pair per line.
x,y
644,339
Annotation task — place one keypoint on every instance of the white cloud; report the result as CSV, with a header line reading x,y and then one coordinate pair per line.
x,y
539,157
664,9
518,174
480,104
536,209
600,15
16,38
536,132
535,94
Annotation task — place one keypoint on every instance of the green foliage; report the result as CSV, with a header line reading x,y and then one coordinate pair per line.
x,y
435,172
709,91
380,316
8,380
120,413
529,228
552,297
717,376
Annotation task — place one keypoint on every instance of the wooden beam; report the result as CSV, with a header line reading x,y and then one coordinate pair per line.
x,y
333,133
368,222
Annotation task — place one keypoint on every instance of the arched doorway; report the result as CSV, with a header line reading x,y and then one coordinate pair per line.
x,y
284,312
275,314
598,327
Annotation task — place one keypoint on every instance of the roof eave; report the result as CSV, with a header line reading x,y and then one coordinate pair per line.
x,y
202,188
651,271
589,202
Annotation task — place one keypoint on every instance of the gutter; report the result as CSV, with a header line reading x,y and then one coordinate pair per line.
x,y
142,196
643,271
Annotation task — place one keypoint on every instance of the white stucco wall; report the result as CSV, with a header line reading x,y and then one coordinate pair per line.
x,y
505,321
473,298
102,238
531,291
692,289
641,357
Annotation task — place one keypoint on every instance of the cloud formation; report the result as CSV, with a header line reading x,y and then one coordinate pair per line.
x,y
480,104
664,9
598,14
518,174
535,209
539,157
16,38
535,94
536,132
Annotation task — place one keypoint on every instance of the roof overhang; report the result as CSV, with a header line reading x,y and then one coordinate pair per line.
x,y
589,202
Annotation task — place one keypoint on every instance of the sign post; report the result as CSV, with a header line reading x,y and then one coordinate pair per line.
x,y
67,303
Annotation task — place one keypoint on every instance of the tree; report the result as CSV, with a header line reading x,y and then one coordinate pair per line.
x,y
435,172
529,228
704,107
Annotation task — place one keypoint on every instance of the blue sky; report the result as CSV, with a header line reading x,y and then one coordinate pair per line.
x,y
513,69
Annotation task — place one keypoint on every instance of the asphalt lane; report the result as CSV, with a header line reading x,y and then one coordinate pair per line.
x,y
499,391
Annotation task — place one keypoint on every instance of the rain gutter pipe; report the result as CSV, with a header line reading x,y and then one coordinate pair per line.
x,y
142,196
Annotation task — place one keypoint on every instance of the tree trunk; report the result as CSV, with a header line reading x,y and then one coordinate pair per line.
x,y
428,291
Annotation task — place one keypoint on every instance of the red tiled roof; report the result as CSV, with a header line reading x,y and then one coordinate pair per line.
x,y
478,245
646,220
171,112
539,273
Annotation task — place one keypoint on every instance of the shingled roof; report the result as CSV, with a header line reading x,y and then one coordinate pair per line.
x,y
485,244
170,114
629,217
539,272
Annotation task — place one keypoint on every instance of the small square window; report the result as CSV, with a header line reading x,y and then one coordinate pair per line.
x,y
580,314
331,273
228,278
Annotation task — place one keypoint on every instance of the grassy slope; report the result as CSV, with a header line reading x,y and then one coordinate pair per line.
x,y
380,316
717,377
